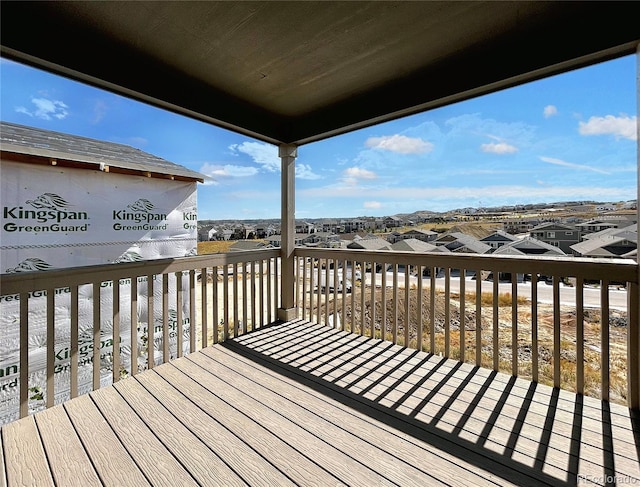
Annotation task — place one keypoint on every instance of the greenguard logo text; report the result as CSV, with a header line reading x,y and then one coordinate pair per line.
x,y
141,217
49,212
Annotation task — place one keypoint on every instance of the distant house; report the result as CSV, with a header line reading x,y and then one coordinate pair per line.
x,y
498,239
305,227
612,242
375,243
415,245
462,243
600,224
393,222
518,226
528,246
424,235
558,235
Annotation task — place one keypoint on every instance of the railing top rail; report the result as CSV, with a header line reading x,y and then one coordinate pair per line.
x,y
18,282
586,267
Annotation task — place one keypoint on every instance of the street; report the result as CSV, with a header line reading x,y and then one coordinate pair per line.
x,y
591,295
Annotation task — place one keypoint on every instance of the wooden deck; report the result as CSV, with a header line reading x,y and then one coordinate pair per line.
x,y
301,404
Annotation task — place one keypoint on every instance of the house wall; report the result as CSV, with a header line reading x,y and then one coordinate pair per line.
x,y
55,217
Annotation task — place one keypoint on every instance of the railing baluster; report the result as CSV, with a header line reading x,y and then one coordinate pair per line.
x,y
215,325
225,301
556,331
447,312
419,334
407,299
165,318
343,265
115,372
24,354
514,324
372,303
204,307
534,327
73,385
432,312
394,327
192,310
245,300
150,323
134,325
363,279
262,306
479,318
353,296
327,285
253,295
579,335
604,338
462,315
318,291
496,324
276,291
269,291
304,288
96,335
296,280
51,341
236,318
383,304
179,323
337,287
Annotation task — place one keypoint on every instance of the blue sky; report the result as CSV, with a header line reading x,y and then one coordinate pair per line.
x,y
569,137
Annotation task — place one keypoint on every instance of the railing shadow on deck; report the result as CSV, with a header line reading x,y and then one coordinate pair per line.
x,y
476,453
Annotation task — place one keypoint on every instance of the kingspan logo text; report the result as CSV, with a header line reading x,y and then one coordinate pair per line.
x,y
42,216
124,215
138,212
49,209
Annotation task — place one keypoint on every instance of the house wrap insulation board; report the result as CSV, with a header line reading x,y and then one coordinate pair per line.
x,y
57,217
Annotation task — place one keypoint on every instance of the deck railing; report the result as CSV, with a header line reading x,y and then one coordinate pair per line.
x,y
51,351
568,322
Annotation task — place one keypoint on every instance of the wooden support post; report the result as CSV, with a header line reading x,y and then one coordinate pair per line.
x,y
288,310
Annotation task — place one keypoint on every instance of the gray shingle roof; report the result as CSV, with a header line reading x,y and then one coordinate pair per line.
x,y
85,152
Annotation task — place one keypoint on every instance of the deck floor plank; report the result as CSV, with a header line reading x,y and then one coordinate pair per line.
x,y
211,424
373,433
25,460
282,424
256,436
112,461
168,422
141,439
67,458
298,403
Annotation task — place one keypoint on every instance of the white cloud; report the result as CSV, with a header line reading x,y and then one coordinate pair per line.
x,y
263,154
624,126
582,167
354,174
219,171
400,144
372,204
359,173
304,171
46,109
498,148
550,111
